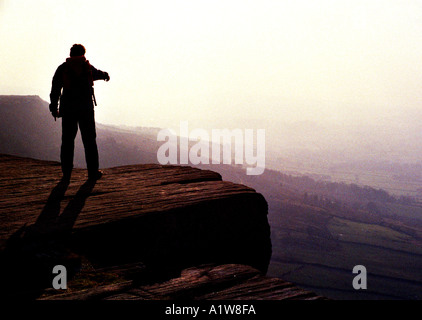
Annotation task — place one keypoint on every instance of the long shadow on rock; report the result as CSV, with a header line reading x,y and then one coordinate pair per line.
x,y
27,261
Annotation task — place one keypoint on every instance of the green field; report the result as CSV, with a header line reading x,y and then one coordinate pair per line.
x,y
318,249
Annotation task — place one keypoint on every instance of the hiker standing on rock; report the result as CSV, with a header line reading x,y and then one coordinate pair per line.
x,y
76,77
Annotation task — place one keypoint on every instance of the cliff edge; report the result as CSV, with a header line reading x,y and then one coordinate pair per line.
x,y
181,232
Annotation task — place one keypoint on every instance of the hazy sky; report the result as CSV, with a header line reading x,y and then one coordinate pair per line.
x,y
185,60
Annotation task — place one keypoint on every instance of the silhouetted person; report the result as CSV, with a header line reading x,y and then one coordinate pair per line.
x,y
73,85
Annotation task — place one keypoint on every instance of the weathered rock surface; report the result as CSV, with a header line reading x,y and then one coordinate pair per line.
x,y
157,219
208,282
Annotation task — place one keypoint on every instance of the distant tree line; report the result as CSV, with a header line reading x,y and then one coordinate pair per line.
x,y
333,194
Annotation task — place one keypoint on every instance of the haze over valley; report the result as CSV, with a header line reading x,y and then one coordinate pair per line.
x,y
321,225
335,84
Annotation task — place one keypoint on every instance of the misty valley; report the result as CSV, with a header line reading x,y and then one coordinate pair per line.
x,y
333,203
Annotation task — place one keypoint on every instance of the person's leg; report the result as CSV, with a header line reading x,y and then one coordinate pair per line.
x,y
88,133
69,131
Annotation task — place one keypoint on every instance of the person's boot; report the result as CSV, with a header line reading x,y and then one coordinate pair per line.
x,y
66,176
95,176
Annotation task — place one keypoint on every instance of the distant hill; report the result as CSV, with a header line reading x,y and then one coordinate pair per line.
x,y
29,130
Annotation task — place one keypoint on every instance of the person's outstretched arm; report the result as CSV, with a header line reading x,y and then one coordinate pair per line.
x,y
99,75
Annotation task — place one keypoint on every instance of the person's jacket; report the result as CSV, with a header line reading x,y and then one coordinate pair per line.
x,y
73,85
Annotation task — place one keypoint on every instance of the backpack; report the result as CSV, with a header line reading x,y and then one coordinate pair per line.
x,y
78,82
